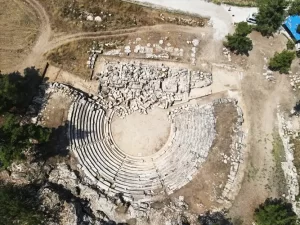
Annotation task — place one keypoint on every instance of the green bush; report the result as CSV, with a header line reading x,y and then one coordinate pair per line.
x,y
238,42
294,8
270,16
275,212
282,61
243,29
290,45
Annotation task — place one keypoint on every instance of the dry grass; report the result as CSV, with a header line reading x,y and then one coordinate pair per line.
x,y
296,143
72,57
279,157
237,2
67,15
19,28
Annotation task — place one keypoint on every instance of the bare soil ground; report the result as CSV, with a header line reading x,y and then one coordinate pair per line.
x,y
141,135
72,57
65,15
19,29
202,192
56,110
55,74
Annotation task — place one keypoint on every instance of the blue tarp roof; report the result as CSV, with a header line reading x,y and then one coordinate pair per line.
x,y
291,24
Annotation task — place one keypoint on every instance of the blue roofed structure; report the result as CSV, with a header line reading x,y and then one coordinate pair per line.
x,y
291,25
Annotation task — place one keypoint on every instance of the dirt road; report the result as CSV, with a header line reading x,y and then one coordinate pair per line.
x,y
44,36
220,18
47,40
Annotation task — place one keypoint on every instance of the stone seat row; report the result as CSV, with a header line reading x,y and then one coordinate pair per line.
x,y
97,161
137,178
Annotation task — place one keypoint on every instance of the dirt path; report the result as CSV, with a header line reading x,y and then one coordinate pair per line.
x,y
220,18
260,99
44,36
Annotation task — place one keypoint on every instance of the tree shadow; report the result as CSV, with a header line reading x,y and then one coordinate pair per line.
x,y
214,218
81,205
59,142
19,90
78,133
24,204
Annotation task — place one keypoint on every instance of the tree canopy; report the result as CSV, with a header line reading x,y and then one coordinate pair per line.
x,y
294,8
275,212
238,42
16,138
270,16
282,61
290,45
243,29
16,93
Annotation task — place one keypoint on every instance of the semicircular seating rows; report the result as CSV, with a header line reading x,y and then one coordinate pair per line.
x,y
140,179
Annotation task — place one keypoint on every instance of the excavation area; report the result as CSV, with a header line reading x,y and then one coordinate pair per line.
x,y
152,119
144,137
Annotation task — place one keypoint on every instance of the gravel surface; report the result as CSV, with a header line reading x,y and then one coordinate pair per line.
x,y
221,19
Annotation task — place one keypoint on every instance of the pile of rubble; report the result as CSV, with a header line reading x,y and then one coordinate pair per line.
x,y
269,73
98,18
38,102
227,54
101,209
160,50
288,167
93,56
195,43
235,157
45,90
133,86
295,81
183,21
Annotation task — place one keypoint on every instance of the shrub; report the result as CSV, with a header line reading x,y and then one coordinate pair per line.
x,y
275,212
290,45
294,8
243,29
282,61
238,44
